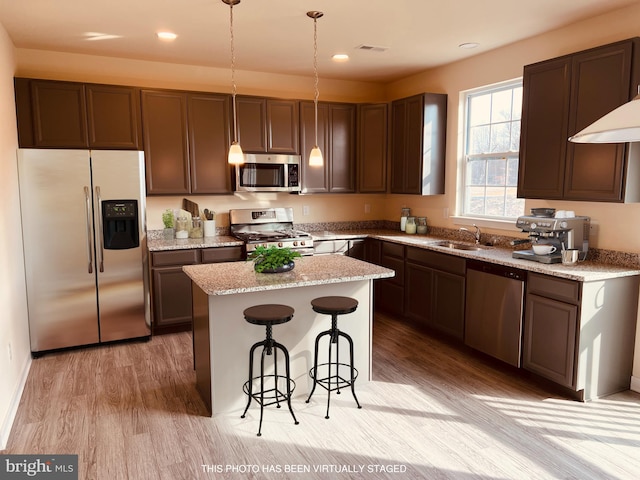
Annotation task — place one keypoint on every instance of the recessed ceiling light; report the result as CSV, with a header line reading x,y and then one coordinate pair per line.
x,y
166,35
340,57
468,45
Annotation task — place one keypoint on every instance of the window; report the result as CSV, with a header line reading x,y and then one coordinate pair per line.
x,y
492,140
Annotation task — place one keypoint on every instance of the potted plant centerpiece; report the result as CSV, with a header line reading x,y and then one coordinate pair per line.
x,y
273,259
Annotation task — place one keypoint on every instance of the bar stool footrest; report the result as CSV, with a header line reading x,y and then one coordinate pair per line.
x,y
335,381
271,396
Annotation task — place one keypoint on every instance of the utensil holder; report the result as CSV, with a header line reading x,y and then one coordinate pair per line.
x,y
209,228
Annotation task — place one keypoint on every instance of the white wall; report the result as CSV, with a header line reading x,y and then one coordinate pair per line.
x,y
14,339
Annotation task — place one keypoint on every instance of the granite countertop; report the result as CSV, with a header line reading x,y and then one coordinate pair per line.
x,y
587,271
237,277
156,244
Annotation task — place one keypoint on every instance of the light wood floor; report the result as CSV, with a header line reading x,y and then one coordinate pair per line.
x,y
433,411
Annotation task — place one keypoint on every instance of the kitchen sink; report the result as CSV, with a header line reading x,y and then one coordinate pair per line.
x,y
459,246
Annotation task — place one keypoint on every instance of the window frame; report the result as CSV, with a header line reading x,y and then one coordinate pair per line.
x,y
461,215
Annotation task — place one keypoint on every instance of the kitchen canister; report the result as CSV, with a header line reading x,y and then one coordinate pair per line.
x,y
209,228
411,226
403,218
422,225
182,227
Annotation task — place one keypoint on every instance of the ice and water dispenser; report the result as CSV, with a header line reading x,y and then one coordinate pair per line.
x,y
120,224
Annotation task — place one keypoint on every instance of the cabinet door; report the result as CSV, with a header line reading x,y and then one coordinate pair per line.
x,y
399,127
550,339
113,114
418,293
209,140
342,161
59,114
252,124
283,120
600,83
543,138
418,144
390,294
171,299
314,179
164,120
372,148
448,303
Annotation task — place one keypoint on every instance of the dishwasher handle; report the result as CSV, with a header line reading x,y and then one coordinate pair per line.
x,y
495,269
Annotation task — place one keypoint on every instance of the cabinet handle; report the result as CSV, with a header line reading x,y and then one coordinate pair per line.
x,y
89,234
99,204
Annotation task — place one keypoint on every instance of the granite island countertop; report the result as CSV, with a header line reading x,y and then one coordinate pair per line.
x,y
239,277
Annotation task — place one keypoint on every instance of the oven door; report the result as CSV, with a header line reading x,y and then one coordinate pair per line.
x,y
264,177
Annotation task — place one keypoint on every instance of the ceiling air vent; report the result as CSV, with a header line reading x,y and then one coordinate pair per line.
x,y
372,48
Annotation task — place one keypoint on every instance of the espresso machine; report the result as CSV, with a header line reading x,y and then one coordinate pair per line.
x,y
567,233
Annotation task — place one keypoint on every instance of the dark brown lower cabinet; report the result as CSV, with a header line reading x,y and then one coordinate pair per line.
x,y
581,335
390,292
435,290
171,288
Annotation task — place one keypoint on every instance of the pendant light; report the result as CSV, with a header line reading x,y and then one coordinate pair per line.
x,y
236,157
315,157
618,126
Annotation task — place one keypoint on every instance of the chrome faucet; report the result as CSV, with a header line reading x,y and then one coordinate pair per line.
x,y
476,234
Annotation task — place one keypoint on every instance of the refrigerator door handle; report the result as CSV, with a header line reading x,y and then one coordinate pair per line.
x,y
99,205
87,197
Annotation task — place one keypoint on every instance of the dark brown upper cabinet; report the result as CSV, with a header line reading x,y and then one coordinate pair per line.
x,y
186,136
372,147
54,114
268,125
418,144
562,96
337,142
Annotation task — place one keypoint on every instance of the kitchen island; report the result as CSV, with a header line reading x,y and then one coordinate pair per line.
x,y
222,338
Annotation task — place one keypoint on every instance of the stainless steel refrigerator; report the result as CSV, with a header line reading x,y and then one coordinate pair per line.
x,y
83,228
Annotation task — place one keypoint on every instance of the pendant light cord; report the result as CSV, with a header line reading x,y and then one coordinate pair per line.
x,y
315,71
233,74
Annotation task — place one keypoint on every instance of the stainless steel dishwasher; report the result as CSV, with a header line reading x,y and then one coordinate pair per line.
x,y
494,310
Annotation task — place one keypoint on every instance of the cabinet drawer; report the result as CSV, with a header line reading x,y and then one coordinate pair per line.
x,y
222,254
172,258
439,261
552,287
392,250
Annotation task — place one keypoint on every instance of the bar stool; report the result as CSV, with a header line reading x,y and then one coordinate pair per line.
x,y
269,315
334,306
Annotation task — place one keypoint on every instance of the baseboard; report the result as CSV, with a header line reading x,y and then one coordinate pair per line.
x,y
635,384
7,422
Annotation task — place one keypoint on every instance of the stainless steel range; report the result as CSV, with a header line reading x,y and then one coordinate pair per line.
x,y
269,227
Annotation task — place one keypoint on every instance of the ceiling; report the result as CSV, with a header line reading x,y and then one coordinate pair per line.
x,y
276,36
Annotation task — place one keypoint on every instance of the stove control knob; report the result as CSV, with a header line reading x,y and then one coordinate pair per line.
x,y
533,225
302,243
295,243
280,244
563,224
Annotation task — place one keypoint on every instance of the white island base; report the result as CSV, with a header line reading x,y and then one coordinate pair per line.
x,y
222,337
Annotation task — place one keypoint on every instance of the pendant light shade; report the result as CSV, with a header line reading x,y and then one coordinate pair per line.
x,y
315,157
236,157
618,126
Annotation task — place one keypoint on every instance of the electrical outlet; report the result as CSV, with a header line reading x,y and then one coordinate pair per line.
x,y
367,208
305,210
9,351
445,212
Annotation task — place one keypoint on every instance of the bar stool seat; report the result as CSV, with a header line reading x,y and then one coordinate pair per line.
x,y
268,315
333,381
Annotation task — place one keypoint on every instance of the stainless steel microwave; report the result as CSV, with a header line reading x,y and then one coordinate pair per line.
x,y
268,173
